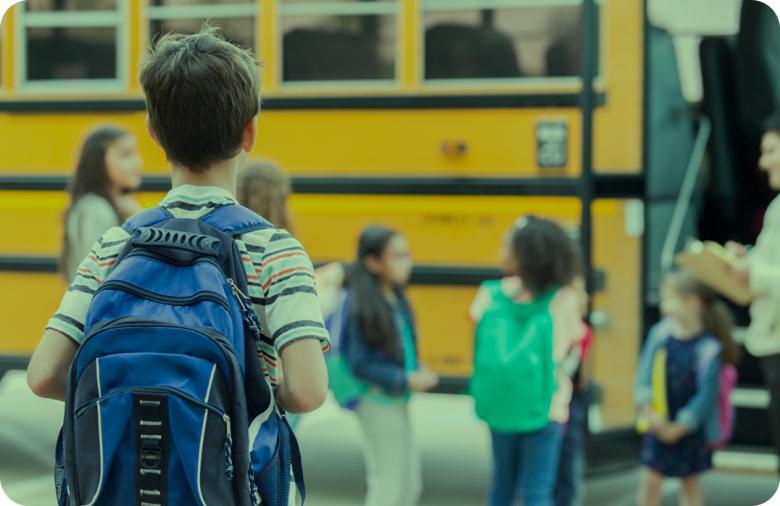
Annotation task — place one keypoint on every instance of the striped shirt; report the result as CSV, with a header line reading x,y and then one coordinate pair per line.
x,y
278,270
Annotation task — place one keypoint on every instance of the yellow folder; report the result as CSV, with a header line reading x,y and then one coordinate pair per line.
x,y
658,384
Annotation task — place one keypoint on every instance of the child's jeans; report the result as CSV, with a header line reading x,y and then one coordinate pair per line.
x,y
571,468
525,465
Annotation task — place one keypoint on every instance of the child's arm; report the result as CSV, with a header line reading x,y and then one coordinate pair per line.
x,y
49,365
693,414
305,373
64,333
568,329
391,378
479,305
290,310
330,281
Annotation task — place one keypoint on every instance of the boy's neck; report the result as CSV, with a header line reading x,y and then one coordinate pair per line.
x,y
222,175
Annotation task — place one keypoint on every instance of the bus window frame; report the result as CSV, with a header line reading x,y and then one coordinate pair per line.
x,y
558,84
204,12
66,19
336,8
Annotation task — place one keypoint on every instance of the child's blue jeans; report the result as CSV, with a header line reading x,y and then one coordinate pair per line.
x,y
571,469
525,465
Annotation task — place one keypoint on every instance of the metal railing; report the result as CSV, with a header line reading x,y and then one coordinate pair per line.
x,y
685,197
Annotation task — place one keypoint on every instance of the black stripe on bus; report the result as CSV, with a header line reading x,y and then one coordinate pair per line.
x,y
421,274
11,362
452,276
606,185
446,275
524,100
29,264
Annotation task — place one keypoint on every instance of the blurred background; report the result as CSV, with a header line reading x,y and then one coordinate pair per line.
x,y
445,119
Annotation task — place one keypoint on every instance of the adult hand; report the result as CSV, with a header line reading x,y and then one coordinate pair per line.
x,y
741,272
738,250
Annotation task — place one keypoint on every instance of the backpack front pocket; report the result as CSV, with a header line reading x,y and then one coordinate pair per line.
x,y
175,438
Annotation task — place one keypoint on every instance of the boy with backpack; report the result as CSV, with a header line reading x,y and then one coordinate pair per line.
x,y
179,324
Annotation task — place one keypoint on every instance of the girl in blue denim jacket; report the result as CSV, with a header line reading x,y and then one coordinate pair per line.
x,y
379,343
677,387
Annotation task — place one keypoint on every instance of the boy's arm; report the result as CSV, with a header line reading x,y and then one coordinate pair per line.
x,y
305,374
293,318
49,365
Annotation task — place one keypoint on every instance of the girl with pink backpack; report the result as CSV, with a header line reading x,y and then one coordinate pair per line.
x,y
683,386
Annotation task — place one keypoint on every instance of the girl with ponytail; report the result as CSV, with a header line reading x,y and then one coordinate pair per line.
x,y
678,387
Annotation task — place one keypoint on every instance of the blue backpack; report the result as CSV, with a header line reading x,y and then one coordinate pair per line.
x,y
166,402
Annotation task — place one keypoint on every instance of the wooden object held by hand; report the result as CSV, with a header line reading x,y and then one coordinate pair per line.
x,y
714,265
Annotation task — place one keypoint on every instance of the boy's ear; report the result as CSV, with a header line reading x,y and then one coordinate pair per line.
x,y
150,130
249,135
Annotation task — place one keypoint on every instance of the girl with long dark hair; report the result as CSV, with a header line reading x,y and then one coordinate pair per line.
x,y
101,193
381,349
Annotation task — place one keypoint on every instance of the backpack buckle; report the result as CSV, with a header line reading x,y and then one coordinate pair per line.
x,y
151,440
151,454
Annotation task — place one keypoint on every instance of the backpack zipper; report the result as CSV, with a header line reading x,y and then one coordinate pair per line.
x,y
247,310
217,338
228,447
216,410
164,299
79,412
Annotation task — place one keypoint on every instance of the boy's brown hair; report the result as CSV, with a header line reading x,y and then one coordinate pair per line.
x,y
200,93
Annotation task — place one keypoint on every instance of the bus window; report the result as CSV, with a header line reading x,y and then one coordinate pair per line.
x,y
60,53
237,21
344,41
507,42
69,5
70,41
2,56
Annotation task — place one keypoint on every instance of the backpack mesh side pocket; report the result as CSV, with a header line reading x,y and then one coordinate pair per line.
x,y
273,482
60,482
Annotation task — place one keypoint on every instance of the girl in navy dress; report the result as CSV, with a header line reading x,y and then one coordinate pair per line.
x,y
678,385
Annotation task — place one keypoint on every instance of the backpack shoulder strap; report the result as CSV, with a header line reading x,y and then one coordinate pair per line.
x,y
235,220
146,218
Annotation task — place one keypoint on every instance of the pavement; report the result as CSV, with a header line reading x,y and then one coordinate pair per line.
x,y
455,448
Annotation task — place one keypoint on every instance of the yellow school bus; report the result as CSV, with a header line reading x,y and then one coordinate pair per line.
x,y
446,119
